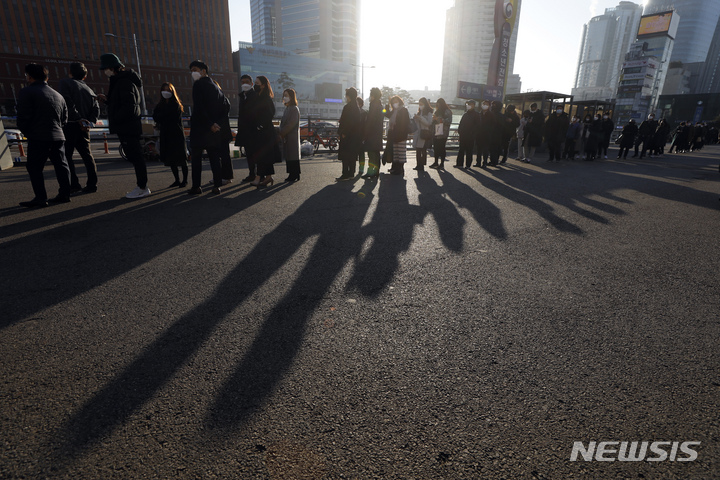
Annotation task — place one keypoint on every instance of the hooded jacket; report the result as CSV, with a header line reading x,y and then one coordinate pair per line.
x,y
123,103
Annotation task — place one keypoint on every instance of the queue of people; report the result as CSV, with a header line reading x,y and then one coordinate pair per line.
x,y
58,123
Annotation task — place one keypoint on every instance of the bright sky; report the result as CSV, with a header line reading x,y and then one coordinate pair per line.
x,y
408,54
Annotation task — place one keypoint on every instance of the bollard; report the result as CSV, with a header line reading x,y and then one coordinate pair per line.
x,y
20,145
107,149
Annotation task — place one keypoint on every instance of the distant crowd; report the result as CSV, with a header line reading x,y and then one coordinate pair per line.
x,y
56,123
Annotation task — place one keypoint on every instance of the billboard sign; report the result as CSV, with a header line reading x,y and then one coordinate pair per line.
x,y
656,24
505,19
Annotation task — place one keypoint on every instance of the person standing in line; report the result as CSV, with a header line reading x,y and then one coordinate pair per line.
x,y
350,135
698,137
482,137
442,119
593,136
267,151
495,126
205,126
246,121
510,125
168,118
226,168
397,136
608,127
466,132
628,138
660,137
422,138
373,136
646,132
556,127
41,114
83,112
521,133
535,131
290,135
574,131
363,121
124,116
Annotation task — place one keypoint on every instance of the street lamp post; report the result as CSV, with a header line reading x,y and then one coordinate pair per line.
x,y
362,76
137,60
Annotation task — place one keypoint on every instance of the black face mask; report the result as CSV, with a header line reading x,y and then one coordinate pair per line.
x,y
257,88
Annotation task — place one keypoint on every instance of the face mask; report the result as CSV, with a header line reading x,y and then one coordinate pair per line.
x,y
196,76
396,106
597,118
558,111
109,72
605,117
166,94
485,107
286,99
245,87
533,111
257,88
468,107
652,118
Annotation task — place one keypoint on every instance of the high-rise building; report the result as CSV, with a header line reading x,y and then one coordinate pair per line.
x,y
169,35
709,81
698,21
325,29
605,41
469,37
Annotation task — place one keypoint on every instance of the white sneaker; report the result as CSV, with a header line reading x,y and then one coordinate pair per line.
x,y
605,157
226,181
138,192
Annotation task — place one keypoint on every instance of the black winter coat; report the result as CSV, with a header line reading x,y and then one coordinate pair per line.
x,y
247,114
41,112
628,135
535,129
208,109
350,132
168,117
556,127
123,103
468,124
265,142
80,99
374,127
399,133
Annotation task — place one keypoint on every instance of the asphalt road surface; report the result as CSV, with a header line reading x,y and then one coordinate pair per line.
x,y
467,324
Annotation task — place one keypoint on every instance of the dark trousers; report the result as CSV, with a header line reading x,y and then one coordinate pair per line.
x,y
623,152
348,165
569,151
215,154
374,162
554,150
78,139
133,152
293,167
439,149
361,160
226,163
483,152
465,151
251,161
38,154
421,156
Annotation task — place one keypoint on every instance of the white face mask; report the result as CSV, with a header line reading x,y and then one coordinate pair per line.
x,y
286,99
605,117
597,118
468,107
485,107
396,106
166,94
246,87
109,72
559,111
196,76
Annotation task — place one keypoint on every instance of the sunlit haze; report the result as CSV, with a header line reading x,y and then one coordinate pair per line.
x,y
404,40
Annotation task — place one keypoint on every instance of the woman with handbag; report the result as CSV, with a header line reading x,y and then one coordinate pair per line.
x,y
266,142
398,131
290,135
422,139
168,118
442,119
